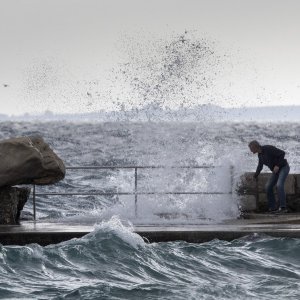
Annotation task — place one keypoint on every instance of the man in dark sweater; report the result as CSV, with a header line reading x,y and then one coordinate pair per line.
x,y
273,158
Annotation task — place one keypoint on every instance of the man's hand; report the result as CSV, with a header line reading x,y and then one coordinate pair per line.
x,y
276,169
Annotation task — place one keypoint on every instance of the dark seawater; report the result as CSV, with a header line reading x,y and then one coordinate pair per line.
x,y
114,263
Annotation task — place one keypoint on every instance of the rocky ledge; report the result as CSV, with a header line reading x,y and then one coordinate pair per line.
x,y
25,160
12,201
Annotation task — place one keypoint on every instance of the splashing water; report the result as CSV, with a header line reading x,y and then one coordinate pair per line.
x,y
167,144
163,78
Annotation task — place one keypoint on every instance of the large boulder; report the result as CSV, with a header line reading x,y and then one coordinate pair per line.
x,y
29,160
12,201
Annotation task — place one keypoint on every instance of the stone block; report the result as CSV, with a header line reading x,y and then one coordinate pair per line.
x,y
297,183
262,181
262,202
293,203
247,184
247,203
289,185
248,187
12,201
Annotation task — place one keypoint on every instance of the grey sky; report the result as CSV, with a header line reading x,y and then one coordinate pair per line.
x,y
52,50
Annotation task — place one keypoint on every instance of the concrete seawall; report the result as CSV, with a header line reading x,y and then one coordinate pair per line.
x,y
253,202
51,233
253,197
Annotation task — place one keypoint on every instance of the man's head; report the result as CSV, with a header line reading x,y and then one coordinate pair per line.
x,y
254,146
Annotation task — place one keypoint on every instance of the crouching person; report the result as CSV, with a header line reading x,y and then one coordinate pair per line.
x,y
273,158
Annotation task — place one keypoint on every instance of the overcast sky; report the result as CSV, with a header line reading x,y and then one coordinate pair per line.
x,y
62,55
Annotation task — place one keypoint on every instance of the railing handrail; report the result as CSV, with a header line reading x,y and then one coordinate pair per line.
x,y
135,192
130,193
140,167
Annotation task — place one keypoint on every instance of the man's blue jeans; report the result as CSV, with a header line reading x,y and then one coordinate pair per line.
x,y
278,180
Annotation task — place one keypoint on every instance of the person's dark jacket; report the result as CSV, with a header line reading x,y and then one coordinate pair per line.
x,y
271,157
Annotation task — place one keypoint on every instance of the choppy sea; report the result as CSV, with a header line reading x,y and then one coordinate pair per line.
x,y
113,262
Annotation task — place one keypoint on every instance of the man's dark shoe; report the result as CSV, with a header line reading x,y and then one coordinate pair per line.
x,y
282,210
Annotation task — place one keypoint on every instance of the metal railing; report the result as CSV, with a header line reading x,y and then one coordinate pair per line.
x,y
135,192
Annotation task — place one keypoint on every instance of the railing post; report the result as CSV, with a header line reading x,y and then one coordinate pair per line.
x,y
135,191
33,200
231,178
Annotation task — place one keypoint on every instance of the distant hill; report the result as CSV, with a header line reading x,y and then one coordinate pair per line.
x,y
153,113
272,113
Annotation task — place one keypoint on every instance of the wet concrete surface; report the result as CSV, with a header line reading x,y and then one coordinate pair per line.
x,y
287,225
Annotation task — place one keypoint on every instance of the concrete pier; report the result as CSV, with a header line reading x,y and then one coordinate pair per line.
x,y
287,225
205,233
